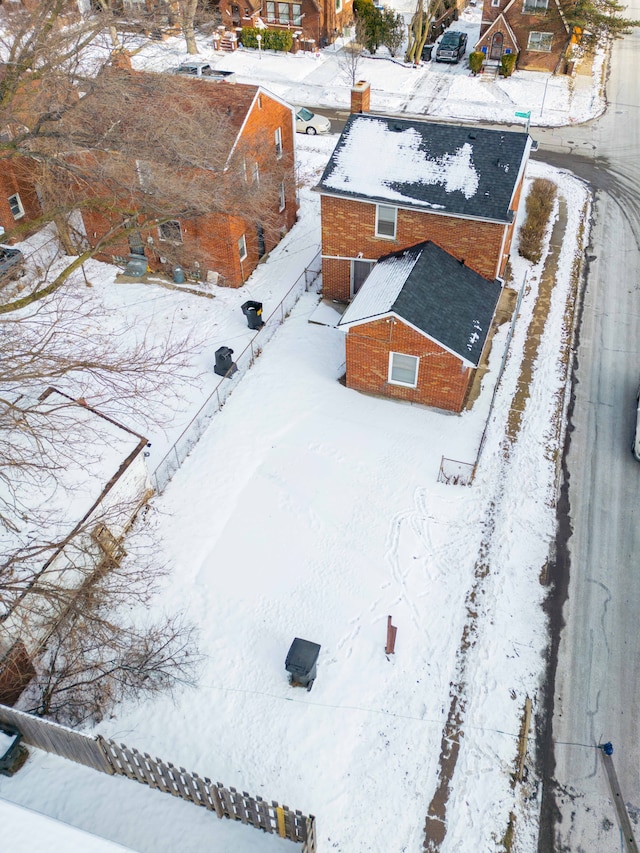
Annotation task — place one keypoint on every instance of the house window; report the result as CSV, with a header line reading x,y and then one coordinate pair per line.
x,y
242,248
534,7
170,231
386,220
338,5
255,173
145,176
297,14
403,369
281,197
245,174
278,138
271,11
540,41
283,13
259,102
495,2
15,205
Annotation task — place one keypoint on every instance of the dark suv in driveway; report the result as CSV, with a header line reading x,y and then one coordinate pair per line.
x,y
11,261
452,47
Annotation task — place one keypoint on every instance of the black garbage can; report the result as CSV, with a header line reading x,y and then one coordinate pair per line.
x,y
253,312
10,749
301,663
427,50
225,365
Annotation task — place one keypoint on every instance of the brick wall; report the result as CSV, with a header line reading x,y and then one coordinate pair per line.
x,y
15,178
348,228
442,379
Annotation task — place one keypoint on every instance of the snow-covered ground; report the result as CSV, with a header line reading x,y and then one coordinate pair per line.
x,y
309,510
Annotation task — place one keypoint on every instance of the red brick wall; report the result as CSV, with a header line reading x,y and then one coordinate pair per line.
x,y
348,228
15,177
442,379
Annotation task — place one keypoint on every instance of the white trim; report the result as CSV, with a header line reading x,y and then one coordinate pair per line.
x,y
282,197
242,247
391,381
278,141
346,258
18,204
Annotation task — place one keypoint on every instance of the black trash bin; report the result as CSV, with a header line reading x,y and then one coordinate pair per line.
x,y
427,50
225,366
10,749
301,663
253,312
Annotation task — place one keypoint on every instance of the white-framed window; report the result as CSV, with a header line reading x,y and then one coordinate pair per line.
x,y
242,248
534,7
259,102
403,369
540,41
255,173
170,231
271,10
15,205
338,5
495,2
297,14
278,140
360,269
281,197
145,175
386,218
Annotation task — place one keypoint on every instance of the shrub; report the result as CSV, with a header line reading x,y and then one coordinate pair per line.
x,y
475,61
539,206
393,30
508,64
271,39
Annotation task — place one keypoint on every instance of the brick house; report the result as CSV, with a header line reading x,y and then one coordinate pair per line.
x,y
19,204
255,147
318,22
393,183
535,30
418,328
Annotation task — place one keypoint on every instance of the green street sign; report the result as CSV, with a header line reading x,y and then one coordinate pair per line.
x,y
524,115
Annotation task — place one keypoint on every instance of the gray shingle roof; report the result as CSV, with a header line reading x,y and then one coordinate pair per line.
x,y
433,292
464,171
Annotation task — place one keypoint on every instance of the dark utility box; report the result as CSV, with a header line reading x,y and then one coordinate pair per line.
x,y
301,663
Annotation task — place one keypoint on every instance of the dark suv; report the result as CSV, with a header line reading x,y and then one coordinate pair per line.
x,y
452,47
11,261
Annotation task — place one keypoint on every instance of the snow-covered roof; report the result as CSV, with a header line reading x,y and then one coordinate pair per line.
x,y
433,292
443,168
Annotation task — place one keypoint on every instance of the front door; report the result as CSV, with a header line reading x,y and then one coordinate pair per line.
x,y
496,46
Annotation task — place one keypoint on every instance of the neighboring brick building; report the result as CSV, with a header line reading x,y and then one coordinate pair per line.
x,y
392,183
318,22
418,328
19,204
254,147
535,30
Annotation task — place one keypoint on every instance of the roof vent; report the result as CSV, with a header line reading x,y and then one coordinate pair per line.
x,y
472,136
397,128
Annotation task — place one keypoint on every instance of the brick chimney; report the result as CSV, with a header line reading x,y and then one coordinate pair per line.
x,y
361,97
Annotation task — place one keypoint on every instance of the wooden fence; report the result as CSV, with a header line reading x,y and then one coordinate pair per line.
x,y
117,759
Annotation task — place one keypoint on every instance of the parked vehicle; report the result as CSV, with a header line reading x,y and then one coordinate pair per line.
x,y
452,47
198,68
635,447
308,122
11,263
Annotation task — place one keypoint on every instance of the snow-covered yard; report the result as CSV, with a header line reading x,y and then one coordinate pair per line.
x,y
310,510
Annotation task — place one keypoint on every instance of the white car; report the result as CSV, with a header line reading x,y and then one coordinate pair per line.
x,y
308,122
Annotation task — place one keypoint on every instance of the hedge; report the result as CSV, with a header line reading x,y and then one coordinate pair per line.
x,y
271,39
538,206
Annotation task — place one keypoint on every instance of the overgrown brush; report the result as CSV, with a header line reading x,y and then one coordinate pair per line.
x,y
539,206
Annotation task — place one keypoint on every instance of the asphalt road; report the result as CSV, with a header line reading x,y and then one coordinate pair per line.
x,y
595,691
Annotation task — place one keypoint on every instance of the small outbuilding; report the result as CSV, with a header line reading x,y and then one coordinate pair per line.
x,y
418,328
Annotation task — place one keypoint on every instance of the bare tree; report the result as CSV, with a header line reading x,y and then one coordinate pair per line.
x,y
419,28
350,57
